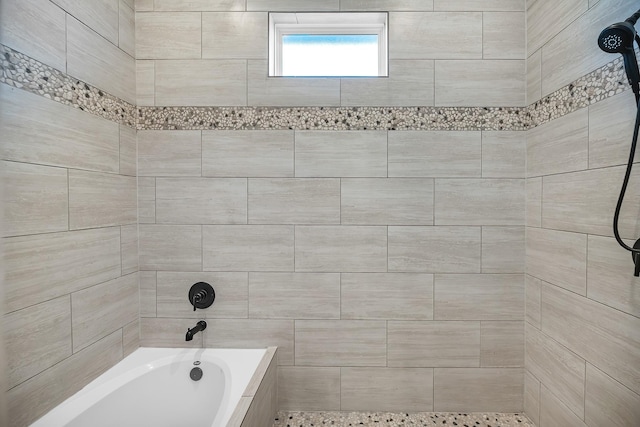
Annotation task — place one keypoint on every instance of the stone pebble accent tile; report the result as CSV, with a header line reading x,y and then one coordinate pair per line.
x,y
21,71
600,84
333,118
388,419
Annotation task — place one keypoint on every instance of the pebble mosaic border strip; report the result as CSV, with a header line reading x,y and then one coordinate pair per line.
x,y
332,118
389,419
21,71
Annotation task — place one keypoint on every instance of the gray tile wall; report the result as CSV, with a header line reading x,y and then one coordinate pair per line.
x,y
70,233
215,53
362,274
582,344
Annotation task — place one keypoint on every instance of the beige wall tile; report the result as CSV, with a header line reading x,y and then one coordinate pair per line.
x,y
240,412
545,19
201,201
168,35
434,249
504,154
289,5
201,82
387,5
341,343
294,201
534,77
386,389
533,289
35,199
66,262
252,153
479,297
570,54
341,154
101,16
478,390
145,83
400,296
41,393
559,146
94,60
608,402
561,371
503,35
554,413
284,91
388,201
501,344
534,202
144,5
294,295
558,257
37,130
435,154
605,337
170,247
130,337
162,332
472,83
99,310
197,5
148,293
585,202
609,278
410,83
452,35
169,153
36,338
35,28
231,291
607,148
532,397
480,5
308,389
341,249
146,200
237,35
433,344
99,199
127,29
128,151
479,201
503,249
129,248
248,248
250,333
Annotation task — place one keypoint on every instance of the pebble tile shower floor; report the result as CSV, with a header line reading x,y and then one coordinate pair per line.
x,y
389,419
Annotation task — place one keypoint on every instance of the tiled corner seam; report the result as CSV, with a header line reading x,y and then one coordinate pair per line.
x,y
21,71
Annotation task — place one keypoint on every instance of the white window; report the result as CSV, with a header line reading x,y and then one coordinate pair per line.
x,y
314,44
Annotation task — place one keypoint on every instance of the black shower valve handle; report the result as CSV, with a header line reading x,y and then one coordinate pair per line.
x,y
201,295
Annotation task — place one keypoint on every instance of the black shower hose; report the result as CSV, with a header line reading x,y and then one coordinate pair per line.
x,y
625,182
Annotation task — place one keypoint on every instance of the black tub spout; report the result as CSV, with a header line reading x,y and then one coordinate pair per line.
x,y
200,326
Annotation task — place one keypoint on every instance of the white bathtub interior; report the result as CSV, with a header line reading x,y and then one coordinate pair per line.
x,y
152,387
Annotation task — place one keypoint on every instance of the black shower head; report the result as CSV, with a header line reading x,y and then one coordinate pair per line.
x,y
617,38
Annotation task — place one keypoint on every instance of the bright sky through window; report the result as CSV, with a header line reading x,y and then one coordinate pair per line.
x,y
329,55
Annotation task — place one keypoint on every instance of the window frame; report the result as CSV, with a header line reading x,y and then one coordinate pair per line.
x,y
328,23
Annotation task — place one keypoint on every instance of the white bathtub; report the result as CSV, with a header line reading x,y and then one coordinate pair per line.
x,y
152,387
